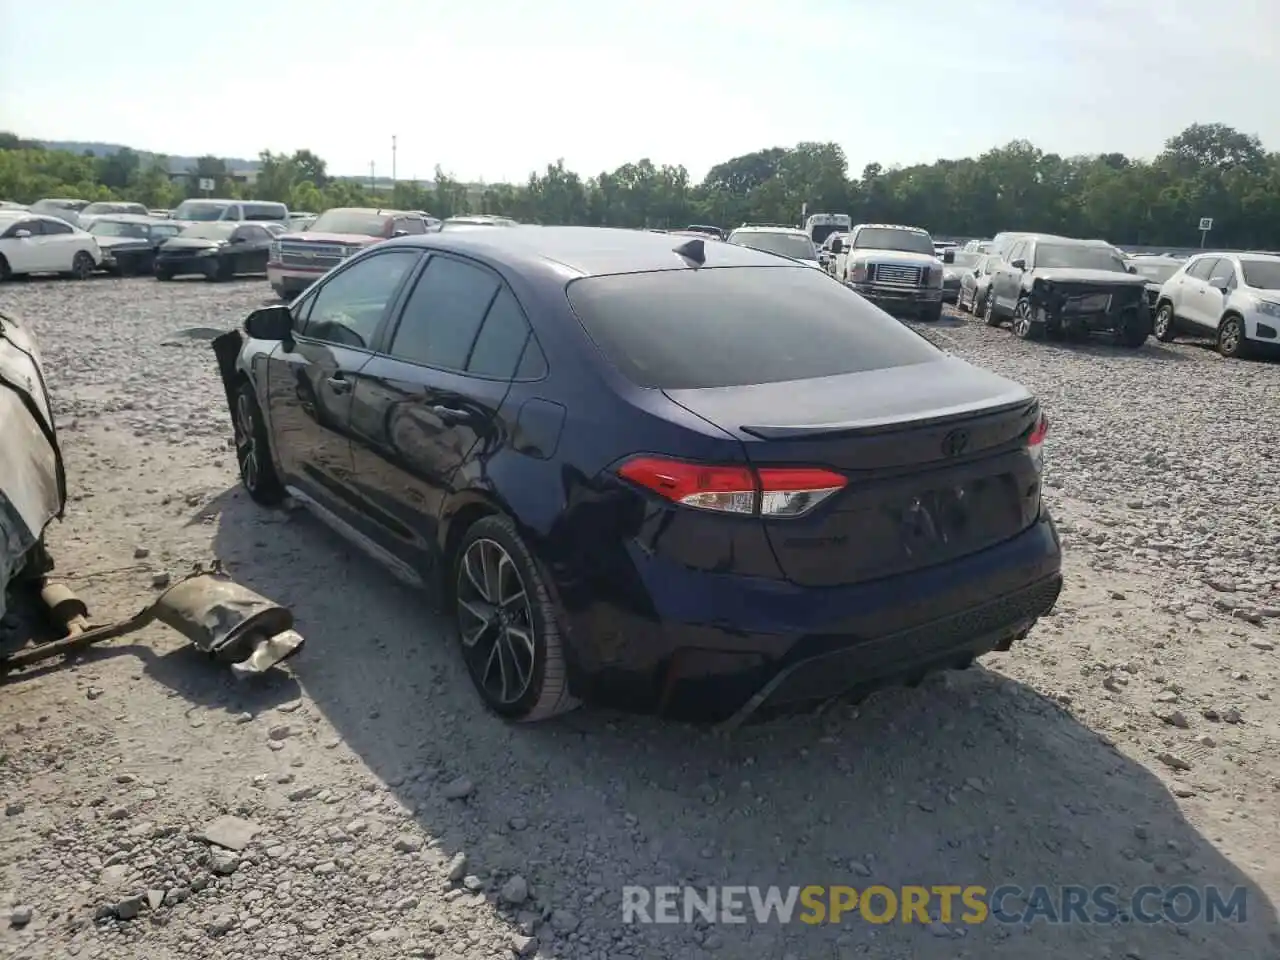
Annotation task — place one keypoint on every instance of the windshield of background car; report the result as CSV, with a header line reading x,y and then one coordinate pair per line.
x,y
1072,257
726,327
821,233
350,221
794,245
116,228
196,210
210,231
95,209
883,238
965,261
1261,274
1156,272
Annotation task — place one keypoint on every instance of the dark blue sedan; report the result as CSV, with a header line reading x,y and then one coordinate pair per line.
x,y
659,473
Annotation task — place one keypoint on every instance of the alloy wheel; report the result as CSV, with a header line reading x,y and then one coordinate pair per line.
x,y
246,443
495,621
1161,326
1229,338
1022,319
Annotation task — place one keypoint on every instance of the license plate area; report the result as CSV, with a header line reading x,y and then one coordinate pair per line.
x,y
1088,303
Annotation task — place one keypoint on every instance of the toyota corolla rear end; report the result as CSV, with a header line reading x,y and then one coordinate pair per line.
x,y
809,500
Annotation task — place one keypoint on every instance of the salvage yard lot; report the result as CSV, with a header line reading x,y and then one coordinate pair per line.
x,y
1131,739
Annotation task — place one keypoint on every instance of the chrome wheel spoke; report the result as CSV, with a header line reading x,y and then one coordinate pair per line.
x,y
495,622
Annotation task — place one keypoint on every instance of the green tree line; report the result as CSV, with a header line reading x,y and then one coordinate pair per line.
x,y
1207,170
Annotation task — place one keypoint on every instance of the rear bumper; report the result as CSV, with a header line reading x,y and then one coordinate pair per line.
x,y
709,644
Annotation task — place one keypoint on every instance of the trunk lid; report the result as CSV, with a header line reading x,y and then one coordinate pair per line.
x,y
935,457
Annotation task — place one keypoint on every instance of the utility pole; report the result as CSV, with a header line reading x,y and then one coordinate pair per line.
x,y
393,161
373,180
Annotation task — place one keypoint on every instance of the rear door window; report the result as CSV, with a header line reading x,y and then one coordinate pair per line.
x,y
1200,269
724,327
443,314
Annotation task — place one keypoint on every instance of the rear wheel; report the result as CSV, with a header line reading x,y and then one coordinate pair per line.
x,y
253,449
1231,338
507,624
1165,327
1026,327
163,273
989,310
82,266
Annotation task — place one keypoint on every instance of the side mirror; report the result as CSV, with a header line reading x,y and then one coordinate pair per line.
x,y
270,323
837,247
21,234
1220,284
948,256
1019,264
1130,268
399,233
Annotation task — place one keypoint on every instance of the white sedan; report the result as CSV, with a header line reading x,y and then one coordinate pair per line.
x,y
34,243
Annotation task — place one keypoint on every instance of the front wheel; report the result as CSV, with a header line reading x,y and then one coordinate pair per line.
x,y
508,626
1025,327
163,273
5,272
931,314
253,449
82,266
1164,327
1231,339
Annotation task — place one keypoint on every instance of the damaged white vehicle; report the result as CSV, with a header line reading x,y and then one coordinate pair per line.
x,y
33,486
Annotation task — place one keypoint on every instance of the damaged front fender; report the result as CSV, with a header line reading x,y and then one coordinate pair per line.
x,y
226,348
33,483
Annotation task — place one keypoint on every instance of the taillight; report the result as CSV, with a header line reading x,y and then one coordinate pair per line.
x,y
1035,440
770,491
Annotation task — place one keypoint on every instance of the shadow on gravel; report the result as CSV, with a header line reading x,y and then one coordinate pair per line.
x,y
969,779
1150,351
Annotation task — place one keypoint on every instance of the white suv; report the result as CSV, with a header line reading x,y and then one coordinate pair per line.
x,y
32,243
1234,297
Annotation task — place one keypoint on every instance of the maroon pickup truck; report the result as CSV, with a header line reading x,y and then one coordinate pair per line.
x,y
298,259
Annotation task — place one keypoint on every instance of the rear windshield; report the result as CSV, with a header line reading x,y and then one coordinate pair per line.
x,y
730,326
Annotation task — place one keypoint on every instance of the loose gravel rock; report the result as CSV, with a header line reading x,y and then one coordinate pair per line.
x,y
1131,739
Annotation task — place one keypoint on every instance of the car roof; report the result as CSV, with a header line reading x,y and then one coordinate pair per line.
x,y
378,211
763,229
130,218
588,251
889,226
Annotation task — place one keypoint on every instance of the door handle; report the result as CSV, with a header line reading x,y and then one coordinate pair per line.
x,y
450,415
339,383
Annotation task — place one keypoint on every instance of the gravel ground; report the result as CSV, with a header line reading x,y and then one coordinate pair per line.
x,y
380,812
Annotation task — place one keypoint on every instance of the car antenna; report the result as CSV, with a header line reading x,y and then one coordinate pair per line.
x,y
694,250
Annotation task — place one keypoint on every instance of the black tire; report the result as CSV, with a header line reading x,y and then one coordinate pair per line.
x,y
989,315
82,266
1133,331
1232,342
253,449
931,314
5,272
1025,327
1165,326
163,274
489,628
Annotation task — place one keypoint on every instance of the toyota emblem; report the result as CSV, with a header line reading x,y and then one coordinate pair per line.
x,y
955,443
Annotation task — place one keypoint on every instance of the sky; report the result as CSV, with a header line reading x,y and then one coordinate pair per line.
x,y
493,89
